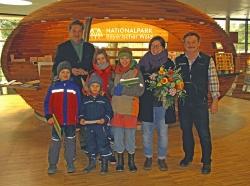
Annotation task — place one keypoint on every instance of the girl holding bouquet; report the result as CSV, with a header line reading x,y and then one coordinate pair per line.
x,y
151,112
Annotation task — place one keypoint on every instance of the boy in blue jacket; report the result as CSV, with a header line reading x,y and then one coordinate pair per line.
x,y
62,101
95,113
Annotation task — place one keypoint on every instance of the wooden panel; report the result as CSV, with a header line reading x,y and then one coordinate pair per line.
x,y
39,33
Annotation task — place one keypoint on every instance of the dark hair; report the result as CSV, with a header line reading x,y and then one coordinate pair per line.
x,y
157,38
191,34
76,22
100,51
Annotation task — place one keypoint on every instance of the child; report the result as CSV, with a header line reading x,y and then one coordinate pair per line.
x,y
102,67
125,103
62,101
95,113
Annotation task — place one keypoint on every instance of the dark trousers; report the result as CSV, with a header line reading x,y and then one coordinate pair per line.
x,y
68,132
198,115
97,141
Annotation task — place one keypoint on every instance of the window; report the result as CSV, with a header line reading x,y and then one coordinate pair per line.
x,y
221,23
239,26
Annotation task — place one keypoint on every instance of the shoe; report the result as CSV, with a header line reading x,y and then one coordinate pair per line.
x,y
71,168
185,162
162,165
91,166
52,169
104,166
112,160
120,162
131,162
206,168
148,164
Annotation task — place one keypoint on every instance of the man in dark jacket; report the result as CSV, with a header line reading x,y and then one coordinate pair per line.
x,y
77,52
199,75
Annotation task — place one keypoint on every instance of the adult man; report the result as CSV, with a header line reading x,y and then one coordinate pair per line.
x,y
77,52
199,74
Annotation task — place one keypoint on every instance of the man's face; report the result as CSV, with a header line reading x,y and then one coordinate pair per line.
x,y
75,33
64,75
191,44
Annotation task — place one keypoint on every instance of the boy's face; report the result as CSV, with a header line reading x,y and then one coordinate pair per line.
x,y
100,59
64,74
95,88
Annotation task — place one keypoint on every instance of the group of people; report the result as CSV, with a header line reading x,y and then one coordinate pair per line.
x,y
89,92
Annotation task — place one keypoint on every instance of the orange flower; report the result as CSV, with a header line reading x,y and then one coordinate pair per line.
x,y
170,79
179,85
164,80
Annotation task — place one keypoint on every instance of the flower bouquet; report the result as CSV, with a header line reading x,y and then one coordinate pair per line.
x,y
167,85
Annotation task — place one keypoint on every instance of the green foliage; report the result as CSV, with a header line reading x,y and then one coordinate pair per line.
x,y
7,26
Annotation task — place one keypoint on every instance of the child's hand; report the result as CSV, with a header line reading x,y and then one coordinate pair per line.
x,y
100,121
51,121
82,122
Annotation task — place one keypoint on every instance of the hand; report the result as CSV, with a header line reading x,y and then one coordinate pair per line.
x,y
85,90
100,121
82,122
75,71
118,90
82,72
51,121
214,106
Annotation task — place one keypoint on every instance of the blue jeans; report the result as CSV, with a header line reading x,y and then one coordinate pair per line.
x,y
124,139
162,130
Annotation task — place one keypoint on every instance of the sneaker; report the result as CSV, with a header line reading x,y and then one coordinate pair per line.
x,y
52,169
71,168
112,160
148,164
206,168
162,165
185,162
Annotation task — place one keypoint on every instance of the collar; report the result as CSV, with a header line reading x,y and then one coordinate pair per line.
x,y
192,61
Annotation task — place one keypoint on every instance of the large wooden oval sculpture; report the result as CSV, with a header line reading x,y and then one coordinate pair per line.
x,y
39,33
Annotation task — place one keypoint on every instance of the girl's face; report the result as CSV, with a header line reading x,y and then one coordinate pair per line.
x,y
156,47
125,61
100,59
64,75
95,88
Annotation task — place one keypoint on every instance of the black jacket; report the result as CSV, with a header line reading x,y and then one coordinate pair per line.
x,y
196,79
148,100
66,52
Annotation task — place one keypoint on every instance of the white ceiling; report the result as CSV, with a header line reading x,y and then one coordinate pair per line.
x,y
214,8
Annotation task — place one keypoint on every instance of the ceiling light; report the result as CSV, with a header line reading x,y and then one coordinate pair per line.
x,y
15,2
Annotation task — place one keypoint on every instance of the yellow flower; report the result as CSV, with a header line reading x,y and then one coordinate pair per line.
x,y
162,71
